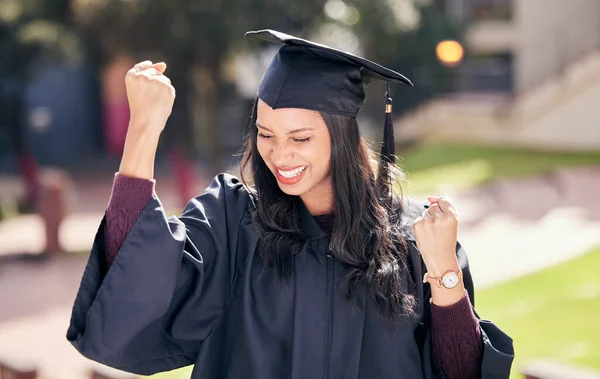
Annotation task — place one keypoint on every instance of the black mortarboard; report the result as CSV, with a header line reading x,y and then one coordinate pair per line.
x,y
309,75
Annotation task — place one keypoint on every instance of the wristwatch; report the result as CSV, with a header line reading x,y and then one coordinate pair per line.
x,y
449,279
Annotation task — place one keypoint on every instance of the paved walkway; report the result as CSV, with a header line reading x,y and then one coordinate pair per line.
x,y
508,229
513,228
35,296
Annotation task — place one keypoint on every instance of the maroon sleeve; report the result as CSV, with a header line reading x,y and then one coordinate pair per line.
x,y
456,340
127,201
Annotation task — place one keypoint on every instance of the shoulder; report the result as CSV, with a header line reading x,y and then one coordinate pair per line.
x,y
226,193
230,185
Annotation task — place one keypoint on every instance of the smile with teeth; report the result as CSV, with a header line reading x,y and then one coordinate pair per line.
x,y
291,173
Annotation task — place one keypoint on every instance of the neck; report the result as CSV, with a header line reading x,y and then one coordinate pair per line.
x,y
317,209
318,202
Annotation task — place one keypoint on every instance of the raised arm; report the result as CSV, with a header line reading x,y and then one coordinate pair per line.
x,y
169,278
150,96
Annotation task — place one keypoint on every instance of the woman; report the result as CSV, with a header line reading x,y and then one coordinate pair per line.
x,y
310,270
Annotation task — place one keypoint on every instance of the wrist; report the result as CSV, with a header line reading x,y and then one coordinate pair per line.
x,y
139,140
441,266
139,154
144,130
446,283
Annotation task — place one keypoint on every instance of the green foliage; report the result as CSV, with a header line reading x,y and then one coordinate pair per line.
x,y
33,30
199,32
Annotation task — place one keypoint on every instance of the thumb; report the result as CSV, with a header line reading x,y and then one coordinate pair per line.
x,y
160,67
433,199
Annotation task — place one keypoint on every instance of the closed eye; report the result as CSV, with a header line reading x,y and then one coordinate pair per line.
x,y
302,139
260,135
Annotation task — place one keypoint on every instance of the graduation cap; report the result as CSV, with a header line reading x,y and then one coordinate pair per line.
x,y
313,76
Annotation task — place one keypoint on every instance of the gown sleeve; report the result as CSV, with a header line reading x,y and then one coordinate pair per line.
x,y
168,286
498,351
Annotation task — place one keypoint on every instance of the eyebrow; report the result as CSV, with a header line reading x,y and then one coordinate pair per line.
x,y
290,132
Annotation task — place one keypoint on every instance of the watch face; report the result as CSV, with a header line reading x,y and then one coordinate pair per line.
x,y
450,280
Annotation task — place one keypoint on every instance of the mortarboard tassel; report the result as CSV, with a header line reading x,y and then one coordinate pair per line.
x,y
387,148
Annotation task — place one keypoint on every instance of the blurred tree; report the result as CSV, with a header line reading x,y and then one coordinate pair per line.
x,y
403,34
197,38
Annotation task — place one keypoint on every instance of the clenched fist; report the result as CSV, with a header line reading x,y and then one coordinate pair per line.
x,y
151,96
436,236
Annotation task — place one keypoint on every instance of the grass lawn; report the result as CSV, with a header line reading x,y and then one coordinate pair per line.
x,y
553,314
431,168
182,373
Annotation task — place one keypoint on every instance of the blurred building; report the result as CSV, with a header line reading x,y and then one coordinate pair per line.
x,y
530,77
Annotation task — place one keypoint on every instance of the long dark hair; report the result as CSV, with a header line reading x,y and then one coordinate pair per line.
x,y
366,234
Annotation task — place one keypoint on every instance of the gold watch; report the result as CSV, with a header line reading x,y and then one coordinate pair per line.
x,y
449,279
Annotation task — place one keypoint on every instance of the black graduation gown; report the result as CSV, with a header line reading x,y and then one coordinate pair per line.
x,y
187,290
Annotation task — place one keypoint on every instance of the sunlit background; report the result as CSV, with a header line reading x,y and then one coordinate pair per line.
x,y
503,118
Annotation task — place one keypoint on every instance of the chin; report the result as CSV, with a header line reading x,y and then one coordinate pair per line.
x,y
293,190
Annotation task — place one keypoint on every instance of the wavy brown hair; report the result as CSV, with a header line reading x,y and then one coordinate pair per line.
x,y
366,235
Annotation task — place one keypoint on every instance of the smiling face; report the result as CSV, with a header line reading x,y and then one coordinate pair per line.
x,y
296,147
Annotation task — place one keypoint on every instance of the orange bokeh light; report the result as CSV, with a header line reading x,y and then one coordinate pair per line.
x,y
450,53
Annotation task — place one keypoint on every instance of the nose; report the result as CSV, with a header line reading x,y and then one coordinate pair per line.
x,y
282,154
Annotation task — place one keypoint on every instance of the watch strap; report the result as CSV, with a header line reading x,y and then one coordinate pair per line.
x,y
439,281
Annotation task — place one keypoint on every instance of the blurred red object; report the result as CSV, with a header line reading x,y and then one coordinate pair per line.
x,y
115,105
17,370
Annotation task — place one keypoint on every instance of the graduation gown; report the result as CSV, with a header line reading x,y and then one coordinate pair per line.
x,y
189,290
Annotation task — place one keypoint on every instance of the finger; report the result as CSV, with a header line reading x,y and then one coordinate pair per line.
x,y
163,79
426,215
142,66
167,81
446,205
435,211
161,67
150,72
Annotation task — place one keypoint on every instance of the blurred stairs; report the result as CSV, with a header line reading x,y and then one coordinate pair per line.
x,y
559,114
